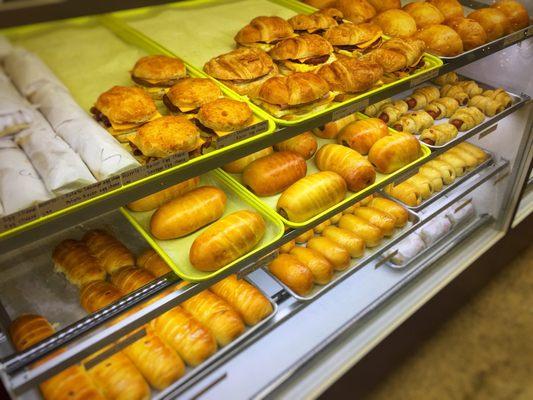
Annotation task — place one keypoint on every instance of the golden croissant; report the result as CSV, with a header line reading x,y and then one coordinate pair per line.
x,y
438,135
467,118
443,107
414,122
488,106
422,97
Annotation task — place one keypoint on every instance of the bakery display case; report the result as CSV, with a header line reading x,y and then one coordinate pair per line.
x,y
270,255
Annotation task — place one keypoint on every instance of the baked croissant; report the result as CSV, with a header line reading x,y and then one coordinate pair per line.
x,y
421,97
361,135
438,135
398,54
373,110
383,220
471,88
130,279
395,210
352,166
466,118
488,106
422,184
336,254
447,172
153,263
458,164
469,160
434,177
406,192
414,122
500,95
456,92
75,261
111,253
319,266
371,234
393,152
249,302
392,112
292,273
442,108
28,329
448,78
473,150
350,75
97,295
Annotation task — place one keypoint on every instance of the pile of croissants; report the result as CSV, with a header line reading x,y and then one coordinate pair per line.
x,y
105,270
441,24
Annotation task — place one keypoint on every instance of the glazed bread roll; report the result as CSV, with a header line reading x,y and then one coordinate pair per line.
x,y
471,32
237,166
349,164
434,177
332,129
515,12
274,173
371,234
400,214
486,105
335,219
319,266
188,213
472,150
439,134
97,295
153,263
394,152
441,40
421,97
414,122
494,22
392,112
443,107
226,240
29,329
129,279
422,184
406,192
361,135
304,237
455,92
76,262
500,96
304,145
383,220
159,198
320,227
384,5
356,11
190,339
447,172
292,273
287,247
110,252
249,302
458,164
396,23
424,14
311,195
448,8
353,243
217,315
336,254
467,118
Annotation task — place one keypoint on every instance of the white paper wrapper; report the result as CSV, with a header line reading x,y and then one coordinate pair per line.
x,y
15,112
461,215
98,149
20,184
406,249
435,229
5,47
1,209
61,169
28,72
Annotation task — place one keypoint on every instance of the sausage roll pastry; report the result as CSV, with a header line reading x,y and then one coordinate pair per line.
x,y
304,145
311,195
274,173
393,152
414,122
352,166
373,110
448,78
488,106
469,160
473,150
109,251
471,88
76,262
494,22
438,135
159,198
353,243
226,240
287,247
237,166
249,302
319,266
217,315
471,32
390,113
458,164
422,184
515,12
98,294
442,108
361,135
336,254
447,171
371,234
129,279
500,95
383,220
293,273
152,262
423,96
467,118
406,192
400,214
304,237
456,92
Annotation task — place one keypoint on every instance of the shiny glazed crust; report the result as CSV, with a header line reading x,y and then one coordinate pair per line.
x,y
306,45
396,23
351,75
124,104
441,40
424,14
471,32
193,92
159,68
225,115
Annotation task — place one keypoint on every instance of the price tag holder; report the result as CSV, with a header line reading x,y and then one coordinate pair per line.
x,y
423,78
349,109
512,38
18,218
51,206
488,131
134,174
237,136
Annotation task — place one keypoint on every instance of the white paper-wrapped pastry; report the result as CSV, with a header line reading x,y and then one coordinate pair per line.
x,y
462,214
15,111
435,229
20,185
5,47
28,72
405,250
98,149
60,168
1,209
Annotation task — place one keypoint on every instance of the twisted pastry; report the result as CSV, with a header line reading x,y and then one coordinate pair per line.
x,y
471,88
414,122
488,106
421,97
391,113
456,92
442,108
466,118
500,96
439,134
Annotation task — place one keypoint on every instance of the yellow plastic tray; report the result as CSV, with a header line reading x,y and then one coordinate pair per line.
x,y
207,27
176,252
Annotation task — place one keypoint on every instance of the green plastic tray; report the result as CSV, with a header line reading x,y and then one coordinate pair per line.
x,y
207,28
176,252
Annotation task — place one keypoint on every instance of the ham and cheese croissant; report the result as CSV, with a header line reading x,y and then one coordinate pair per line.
x,y
471,88
421,97
129,279
97,295
361,135
153,263
383,220
292,273
76,262
319,266
414,122
398,54
353,243
467,118
488,106
442,108
111,253
406,192
438,135
393,152
456,92
500,95
395,210
391,112
370,233
336,254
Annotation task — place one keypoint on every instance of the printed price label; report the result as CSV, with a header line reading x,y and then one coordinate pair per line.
x,y
237,136
156,166
51,206
423,78
176,159
19,218
349,109
134,174
512,38
529,31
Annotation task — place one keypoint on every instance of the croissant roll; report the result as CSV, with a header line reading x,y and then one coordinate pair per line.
x,y
352,166
447,172
422,97
249,302
423,185
217,315
157,199
27,330
353,243
311,195
414,122
434,177
320,227
371,234
383,220
332,129
293,273
361,135
304,237
153,263
488,106
392,112
304,145
274,173
467,118
188,213
473,150
75,261
287,247
400,214
129,279
456,92
97,295
111,253
336,254
373,110
439,134
443,107
469,160
458,164
471,88
226,240
448,78
499,95
393,152
319,266
237,166
406,192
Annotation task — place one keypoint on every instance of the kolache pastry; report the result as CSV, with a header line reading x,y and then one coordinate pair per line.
x,y
237,166
396,23
361,135
399,55
222,116
109,251
456,92
421,97
349,75
243,70
354,40
443,107
304,145
488,106
499,95
471,32
414,122
424,14
447,79
74,259
316,22
262,32
152,262
466,118
189,94
438,135
494,22
441,40
393,152
515,12
384,5
304,53
356,11
156,73
471,88
373,110
448,8
391,112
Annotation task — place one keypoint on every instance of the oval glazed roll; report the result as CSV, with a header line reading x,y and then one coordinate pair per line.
x,y
292,273
311,195
159,198
319,266
336,254
399,213
304,144
383,220
352,166
226,240
347,239
237,166
188,213
274,173
361,135
393,152
371,234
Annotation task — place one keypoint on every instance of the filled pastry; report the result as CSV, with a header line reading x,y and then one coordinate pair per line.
x,y
356,11
414,122
316,22
319,266
332,129
354,40
424,14
473,150
384,5
434,177
109,251
157,199
515,12
488,106
447,171
422,97
422,184
237,166
471,32
467,118
438,135
471,88
156,73
456,92
382,219
443,107
348,75
293,273
189,94
399,54
362,134
262,32
448,8
152,262
441,40
391,112
76,262
395,210
500,96
373,110
435,229
354,244
393,152
304,145
98,294
494,22
458,164
129,279
223,116
396,23
336,254
448,78
370,233
406,192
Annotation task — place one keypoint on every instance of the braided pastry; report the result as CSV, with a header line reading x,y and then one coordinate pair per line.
x,y
414,122
471,88
455,92
488,106
466,118
392,112
438,135
421,97
442,108
500,96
